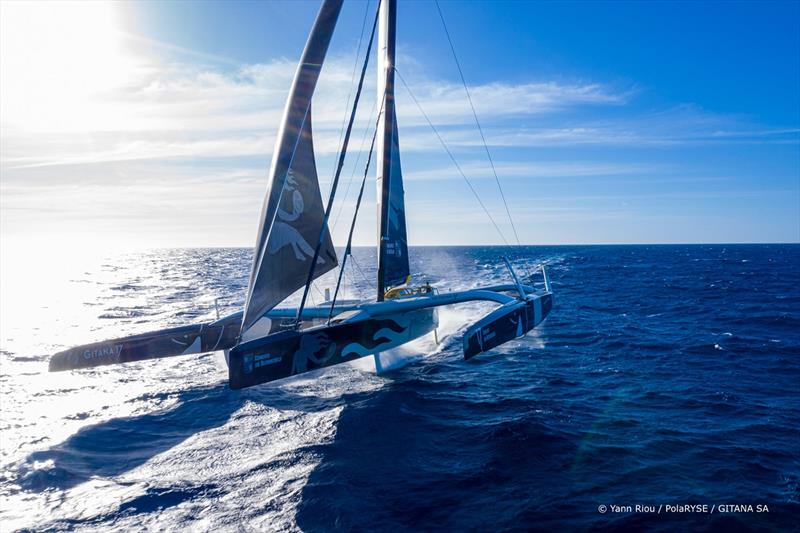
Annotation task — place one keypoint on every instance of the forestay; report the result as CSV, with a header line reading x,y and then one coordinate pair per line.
x,y
292,213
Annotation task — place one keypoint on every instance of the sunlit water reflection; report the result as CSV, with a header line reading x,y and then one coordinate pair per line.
x,y
663,372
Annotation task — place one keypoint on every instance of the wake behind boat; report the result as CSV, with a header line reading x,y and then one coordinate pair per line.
x,y
294,247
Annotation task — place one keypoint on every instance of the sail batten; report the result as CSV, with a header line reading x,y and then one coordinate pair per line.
x,y
292,212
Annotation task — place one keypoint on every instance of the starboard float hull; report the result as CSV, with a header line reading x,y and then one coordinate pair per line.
x,y
289,353
508,322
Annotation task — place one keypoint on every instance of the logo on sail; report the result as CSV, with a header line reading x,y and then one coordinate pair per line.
x,y
283,233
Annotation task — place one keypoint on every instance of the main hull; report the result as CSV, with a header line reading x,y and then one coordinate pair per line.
x,y
289,353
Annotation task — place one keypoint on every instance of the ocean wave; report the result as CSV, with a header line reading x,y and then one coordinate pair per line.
x,y
664,374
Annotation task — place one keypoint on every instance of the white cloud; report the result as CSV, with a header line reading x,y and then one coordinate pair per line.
x,y
179,110
160,111
550,169
95,126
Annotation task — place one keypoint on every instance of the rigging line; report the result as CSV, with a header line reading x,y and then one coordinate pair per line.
x,y
355,285
477,122
316,287
352,79
358,267
335,183
361,192
353,173
452,158
354,282
348,251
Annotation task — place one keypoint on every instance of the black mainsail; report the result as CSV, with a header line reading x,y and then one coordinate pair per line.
x,y
393,267
292,213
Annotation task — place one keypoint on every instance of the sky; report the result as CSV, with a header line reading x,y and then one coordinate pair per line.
x,y
143,124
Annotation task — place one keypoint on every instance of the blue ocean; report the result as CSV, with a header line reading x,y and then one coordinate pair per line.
x,y
666,377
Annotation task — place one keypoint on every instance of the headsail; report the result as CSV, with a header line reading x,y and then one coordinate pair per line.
x,y
392,241
292,213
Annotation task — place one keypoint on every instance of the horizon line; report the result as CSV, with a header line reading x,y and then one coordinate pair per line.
x,y
741,243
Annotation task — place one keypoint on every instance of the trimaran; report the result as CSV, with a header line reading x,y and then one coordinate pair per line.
x,y
294,247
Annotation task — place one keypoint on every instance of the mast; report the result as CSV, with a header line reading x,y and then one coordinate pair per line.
x,y
386,52
393,266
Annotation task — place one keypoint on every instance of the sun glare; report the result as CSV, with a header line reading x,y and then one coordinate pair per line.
x,y
56,60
